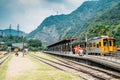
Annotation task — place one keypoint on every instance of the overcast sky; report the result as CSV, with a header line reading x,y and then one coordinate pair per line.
x,y
30,13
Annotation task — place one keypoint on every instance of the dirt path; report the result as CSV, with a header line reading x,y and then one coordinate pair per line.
x,y
17,66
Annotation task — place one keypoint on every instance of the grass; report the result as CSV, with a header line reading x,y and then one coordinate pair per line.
x,y
43,71
3,68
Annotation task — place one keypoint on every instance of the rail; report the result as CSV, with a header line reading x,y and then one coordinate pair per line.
x,y
2,59
100,74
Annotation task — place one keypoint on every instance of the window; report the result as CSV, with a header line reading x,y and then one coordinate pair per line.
x,y
90,44
105,42
110,43
99,43
94,45
114,42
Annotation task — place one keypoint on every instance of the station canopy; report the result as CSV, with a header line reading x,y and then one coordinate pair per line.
x,y
66,40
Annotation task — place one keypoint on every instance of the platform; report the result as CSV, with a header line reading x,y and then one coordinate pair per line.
x,y
107,61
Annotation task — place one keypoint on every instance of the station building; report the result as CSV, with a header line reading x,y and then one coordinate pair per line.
x,y
18,46
63,46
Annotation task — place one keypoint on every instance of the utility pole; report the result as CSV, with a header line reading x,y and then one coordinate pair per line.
x,y
10,29
18,29
86,39
23,44
71,45
57,12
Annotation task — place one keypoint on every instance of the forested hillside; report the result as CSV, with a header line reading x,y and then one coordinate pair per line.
x,y
88,17
107,24
6,32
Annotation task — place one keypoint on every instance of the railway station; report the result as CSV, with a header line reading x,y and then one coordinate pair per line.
x,y
60,58
112,62
59,39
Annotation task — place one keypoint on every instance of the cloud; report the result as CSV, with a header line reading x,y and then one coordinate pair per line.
x,y
30,13
29,2
55,1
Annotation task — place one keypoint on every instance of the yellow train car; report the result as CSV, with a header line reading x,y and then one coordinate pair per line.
x,y
103,45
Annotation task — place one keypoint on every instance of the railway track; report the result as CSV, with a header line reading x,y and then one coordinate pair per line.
x,y
82,65
2,59
69,66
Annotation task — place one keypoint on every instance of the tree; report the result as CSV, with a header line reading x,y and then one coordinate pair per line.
x,y
34,44
99,30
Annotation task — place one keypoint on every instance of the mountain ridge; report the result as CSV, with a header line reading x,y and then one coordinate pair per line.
x,y
57,27
13,32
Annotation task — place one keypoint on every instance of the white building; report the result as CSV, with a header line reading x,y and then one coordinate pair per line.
x,y
19,45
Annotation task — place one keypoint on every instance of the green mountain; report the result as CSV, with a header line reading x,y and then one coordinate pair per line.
x,y
12,32
107,22
85,17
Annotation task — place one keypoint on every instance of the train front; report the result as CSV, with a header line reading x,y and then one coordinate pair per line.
x,y
109,45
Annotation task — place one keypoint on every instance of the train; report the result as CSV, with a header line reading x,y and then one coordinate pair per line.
x,y
103,45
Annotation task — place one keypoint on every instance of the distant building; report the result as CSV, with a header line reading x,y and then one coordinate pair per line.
x,y
1,45
19,45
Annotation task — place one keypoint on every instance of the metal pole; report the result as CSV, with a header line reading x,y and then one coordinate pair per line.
x,y
10,29
86,44
61,48
23,44
18,29
71,46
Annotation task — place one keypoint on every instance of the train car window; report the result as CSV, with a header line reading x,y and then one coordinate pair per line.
x,y
94,45
110,43
84,44
99,43
105,42
90,44
87,44
114,42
